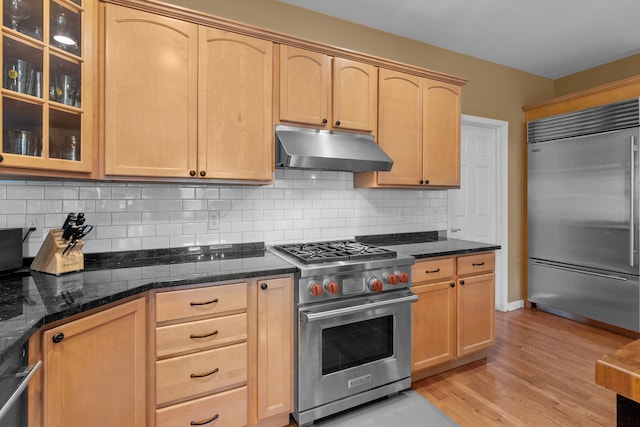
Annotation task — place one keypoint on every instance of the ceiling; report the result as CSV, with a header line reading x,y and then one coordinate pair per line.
x,y
549,38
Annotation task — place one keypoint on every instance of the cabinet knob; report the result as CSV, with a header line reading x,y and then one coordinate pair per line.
x,y
337,122
453,285
421,182
203,173
462,282
1,158
264,286
426,181
57,337
325,121
192,173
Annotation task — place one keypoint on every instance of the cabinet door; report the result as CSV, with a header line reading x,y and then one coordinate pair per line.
x,y
275,347
433,324
95,373
48,55
305,86
355,95
441,121
400,126
235,136
476,313
150,94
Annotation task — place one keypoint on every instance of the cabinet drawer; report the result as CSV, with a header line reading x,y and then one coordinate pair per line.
x,y
211,370
476,264
175,305
229,408
200,334
435,269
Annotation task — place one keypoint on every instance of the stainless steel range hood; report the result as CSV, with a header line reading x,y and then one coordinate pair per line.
x,y
304,148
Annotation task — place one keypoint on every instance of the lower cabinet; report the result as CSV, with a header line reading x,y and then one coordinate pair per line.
x,y
224,354
453,319
217,354
95,369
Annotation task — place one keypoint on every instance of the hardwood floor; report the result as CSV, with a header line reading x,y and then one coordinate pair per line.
x,y
540,373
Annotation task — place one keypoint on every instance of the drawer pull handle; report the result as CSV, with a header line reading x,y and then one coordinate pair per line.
x,y
204,303
194,336
477,264
206,374
433,271
203,422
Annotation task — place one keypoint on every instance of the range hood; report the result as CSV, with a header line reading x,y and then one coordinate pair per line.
x,y
304,148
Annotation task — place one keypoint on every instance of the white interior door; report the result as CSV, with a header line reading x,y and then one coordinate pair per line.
x,y
478,210
472,208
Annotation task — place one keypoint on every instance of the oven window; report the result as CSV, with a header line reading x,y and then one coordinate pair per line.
x,y
357,343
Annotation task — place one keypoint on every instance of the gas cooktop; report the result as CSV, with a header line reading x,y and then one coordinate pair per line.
x,y
331,251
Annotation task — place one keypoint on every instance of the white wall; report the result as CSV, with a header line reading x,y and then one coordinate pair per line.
x,y
299,206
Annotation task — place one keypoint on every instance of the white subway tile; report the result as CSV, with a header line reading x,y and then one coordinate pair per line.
x,y
273,237
184,240
181,217
155,242
61,192
252,236
207,239
21,192
111,232
126,193
141,230
168,229
126,218
195,228
128,244
141,205
194,205
182,193
168,205
13,207
155,217
43,206
207,193
230,238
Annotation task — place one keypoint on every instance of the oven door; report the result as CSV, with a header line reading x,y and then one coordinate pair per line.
x,y
349,347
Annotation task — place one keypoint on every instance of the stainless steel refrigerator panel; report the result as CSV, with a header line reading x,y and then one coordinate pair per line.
x,y
594,294
579,201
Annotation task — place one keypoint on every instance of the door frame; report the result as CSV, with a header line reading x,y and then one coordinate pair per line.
x,y
502,206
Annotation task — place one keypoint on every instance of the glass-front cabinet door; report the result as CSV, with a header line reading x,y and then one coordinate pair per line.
x,y
47,84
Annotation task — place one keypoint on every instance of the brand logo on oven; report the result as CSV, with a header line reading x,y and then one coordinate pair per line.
x,y
355,382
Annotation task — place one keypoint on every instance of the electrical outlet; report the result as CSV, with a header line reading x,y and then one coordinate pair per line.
x,y
401,217
214,220
34,221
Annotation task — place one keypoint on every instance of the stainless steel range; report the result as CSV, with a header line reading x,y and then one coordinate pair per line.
x,y
353,325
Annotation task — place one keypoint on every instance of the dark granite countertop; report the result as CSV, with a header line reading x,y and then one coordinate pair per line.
x,y
427,244
29,299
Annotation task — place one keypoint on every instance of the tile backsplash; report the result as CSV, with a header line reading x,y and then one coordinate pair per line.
x,y
298,206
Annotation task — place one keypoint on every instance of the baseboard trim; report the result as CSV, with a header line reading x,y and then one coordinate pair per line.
x,y
515,305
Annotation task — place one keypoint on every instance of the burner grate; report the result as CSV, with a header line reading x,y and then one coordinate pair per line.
x,y
344,250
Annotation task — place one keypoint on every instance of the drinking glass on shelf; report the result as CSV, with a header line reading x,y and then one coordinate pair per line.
x,y
18,10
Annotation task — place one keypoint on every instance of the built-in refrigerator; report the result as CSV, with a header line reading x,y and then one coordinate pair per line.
x,y
582,211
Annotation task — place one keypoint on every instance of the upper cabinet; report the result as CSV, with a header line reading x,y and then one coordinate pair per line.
x,y
419,128
48,62
326,92
184,100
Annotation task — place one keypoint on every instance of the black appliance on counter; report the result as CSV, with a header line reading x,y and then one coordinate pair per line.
x,y
11,249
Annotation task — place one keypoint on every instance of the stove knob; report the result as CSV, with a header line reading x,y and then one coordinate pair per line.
x,y
316,289
376,284
404,277
392,279
331,287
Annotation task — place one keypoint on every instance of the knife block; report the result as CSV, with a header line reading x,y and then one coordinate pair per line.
x,y
50,258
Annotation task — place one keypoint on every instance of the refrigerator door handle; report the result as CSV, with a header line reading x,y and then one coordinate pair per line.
x,y
577,270
632,242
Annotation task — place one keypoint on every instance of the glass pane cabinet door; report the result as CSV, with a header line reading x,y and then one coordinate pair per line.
x,y
46,79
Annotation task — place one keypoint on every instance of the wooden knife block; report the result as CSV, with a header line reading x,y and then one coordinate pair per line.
x,y
50,258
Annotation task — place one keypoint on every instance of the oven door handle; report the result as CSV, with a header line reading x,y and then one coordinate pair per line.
x,y
310,317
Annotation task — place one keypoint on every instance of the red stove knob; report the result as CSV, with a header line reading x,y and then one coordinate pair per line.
x,y
332,287
316,289
404,277
376,284
392,279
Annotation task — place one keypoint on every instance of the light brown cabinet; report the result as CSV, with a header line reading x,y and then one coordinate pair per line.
x,y
224,352
453,319
419,128
48,62
95,369
274,348
185,101
326,92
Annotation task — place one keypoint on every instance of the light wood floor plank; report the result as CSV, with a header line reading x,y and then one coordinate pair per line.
x,y
540,373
